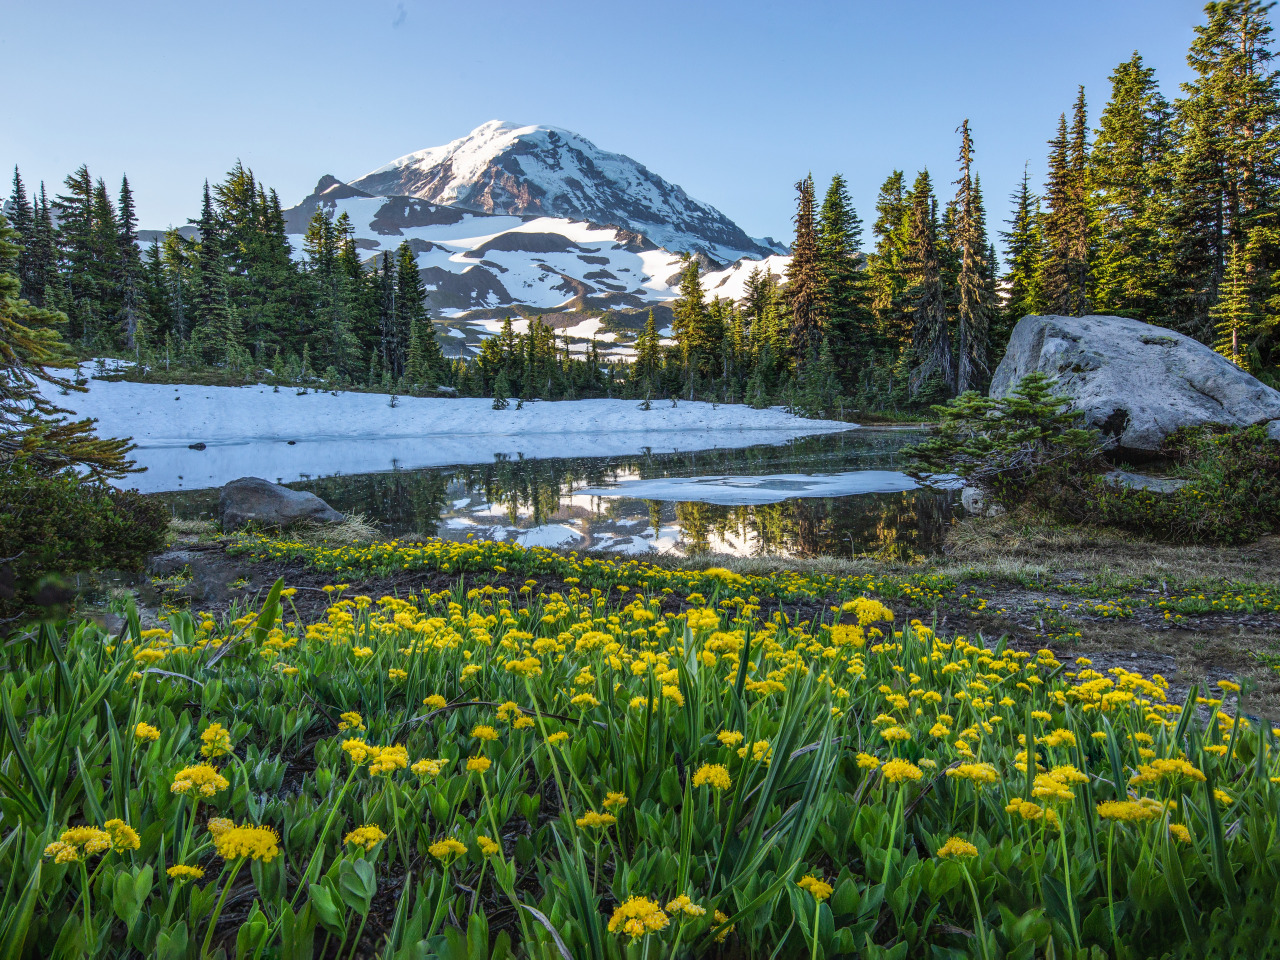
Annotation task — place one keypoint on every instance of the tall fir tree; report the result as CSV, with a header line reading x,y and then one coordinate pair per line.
x,y
1066,219
214,331
886,265
931,338
410,304
132,296
850,322
1130,177
1225,180
974,303
1024,247
22,217
805,286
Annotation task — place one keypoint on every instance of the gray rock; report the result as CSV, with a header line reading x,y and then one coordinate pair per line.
x,y
978,502
1140,481
1273,430
170,562
1135,382
252,499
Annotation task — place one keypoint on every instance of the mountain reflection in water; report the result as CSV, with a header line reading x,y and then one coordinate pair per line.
x,y
538,503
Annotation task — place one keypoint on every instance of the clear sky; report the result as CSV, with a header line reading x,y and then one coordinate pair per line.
x,y
734,101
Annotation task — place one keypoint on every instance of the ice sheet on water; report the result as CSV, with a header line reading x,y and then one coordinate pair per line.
x,y
736,491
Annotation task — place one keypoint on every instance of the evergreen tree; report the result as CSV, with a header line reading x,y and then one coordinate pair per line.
x,y
805,287
692,324
410,305
501,391
33,432
1233,313
1066,220
648,353
73,211
22,217
1129,172
132,295
215,331
930,339
886,266
1226,172
850,322
1023,254
974,302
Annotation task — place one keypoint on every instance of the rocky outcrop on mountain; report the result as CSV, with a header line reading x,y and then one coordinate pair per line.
x,y
508,168
1135,382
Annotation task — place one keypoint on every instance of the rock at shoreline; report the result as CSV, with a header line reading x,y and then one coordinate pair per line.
x,y
252,499
979,502
1140,481
1135,382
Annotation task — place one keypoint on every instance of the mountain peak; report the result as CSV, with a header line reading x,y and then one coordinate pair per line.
x,y
537,170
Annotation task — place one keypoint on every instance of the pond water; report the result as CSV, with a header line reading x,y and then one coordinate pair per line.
x,y
836,494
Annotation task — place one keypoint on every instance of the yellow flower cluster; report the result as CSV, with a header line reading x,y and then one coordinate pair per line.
x,y
368,836
636,917
819,889
203,779
247,841
957,847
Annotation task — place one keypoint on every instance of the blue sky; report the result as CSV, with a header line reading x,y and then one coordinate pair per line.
x,y
734,101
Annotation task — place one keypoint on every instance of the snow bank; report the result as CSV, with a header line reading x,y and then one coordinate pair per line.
x,y
281,436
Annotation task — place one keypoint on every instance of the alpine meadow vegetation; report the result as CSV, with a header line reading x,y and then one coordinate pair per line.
x,y
645,762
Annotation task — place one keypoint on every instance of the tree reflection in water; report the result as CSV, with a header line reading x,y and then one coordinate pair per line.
x,y
510,495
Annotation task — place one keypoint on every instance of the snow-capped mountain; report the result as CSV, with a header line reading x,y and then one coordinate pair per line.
x,y
481,267
506,168
494,262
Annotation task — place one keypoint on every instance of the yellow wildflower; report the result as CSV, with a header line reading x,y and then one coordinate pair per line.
x,y
368,836
637,917
957,847
818,889
257,843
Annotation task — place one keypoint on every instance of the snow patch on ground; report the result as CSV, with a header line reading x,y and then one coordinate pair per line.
x,y
284,436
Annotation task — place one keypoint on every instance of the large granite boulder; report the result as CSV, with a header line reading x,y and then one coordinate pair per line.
x,y
252,499
1135,382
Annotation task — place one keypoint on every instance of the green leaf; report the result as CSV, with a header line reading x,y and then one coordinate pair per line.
x,y
357,885
171,944
20,753
14,938
327,907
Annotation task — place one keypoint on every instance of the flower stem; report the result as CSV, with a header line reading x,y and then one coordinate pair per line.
x,y
979,926
217,911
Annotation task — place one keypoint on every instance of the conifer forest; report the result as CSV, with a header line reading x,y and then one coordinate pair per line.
x,y
1163,206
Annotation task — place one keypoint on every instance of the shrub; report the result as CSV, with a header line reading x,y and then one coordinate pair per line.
x,y
61,524
1029,448
1232,494
1020,446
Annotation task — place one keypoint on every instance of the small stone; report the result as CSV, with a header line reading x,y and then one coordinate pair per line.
x,y
195,446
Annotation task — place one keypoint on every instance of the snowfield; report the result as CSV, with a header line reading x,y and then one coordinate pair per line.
x,y
283,436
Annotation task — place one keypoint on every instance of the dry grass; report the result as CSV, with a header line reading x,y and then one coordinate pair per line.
x,y
354,530
1026,542
192,528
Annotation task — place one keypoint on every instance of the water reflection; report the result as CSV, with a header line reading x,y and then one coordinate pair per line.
x,y
536,502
